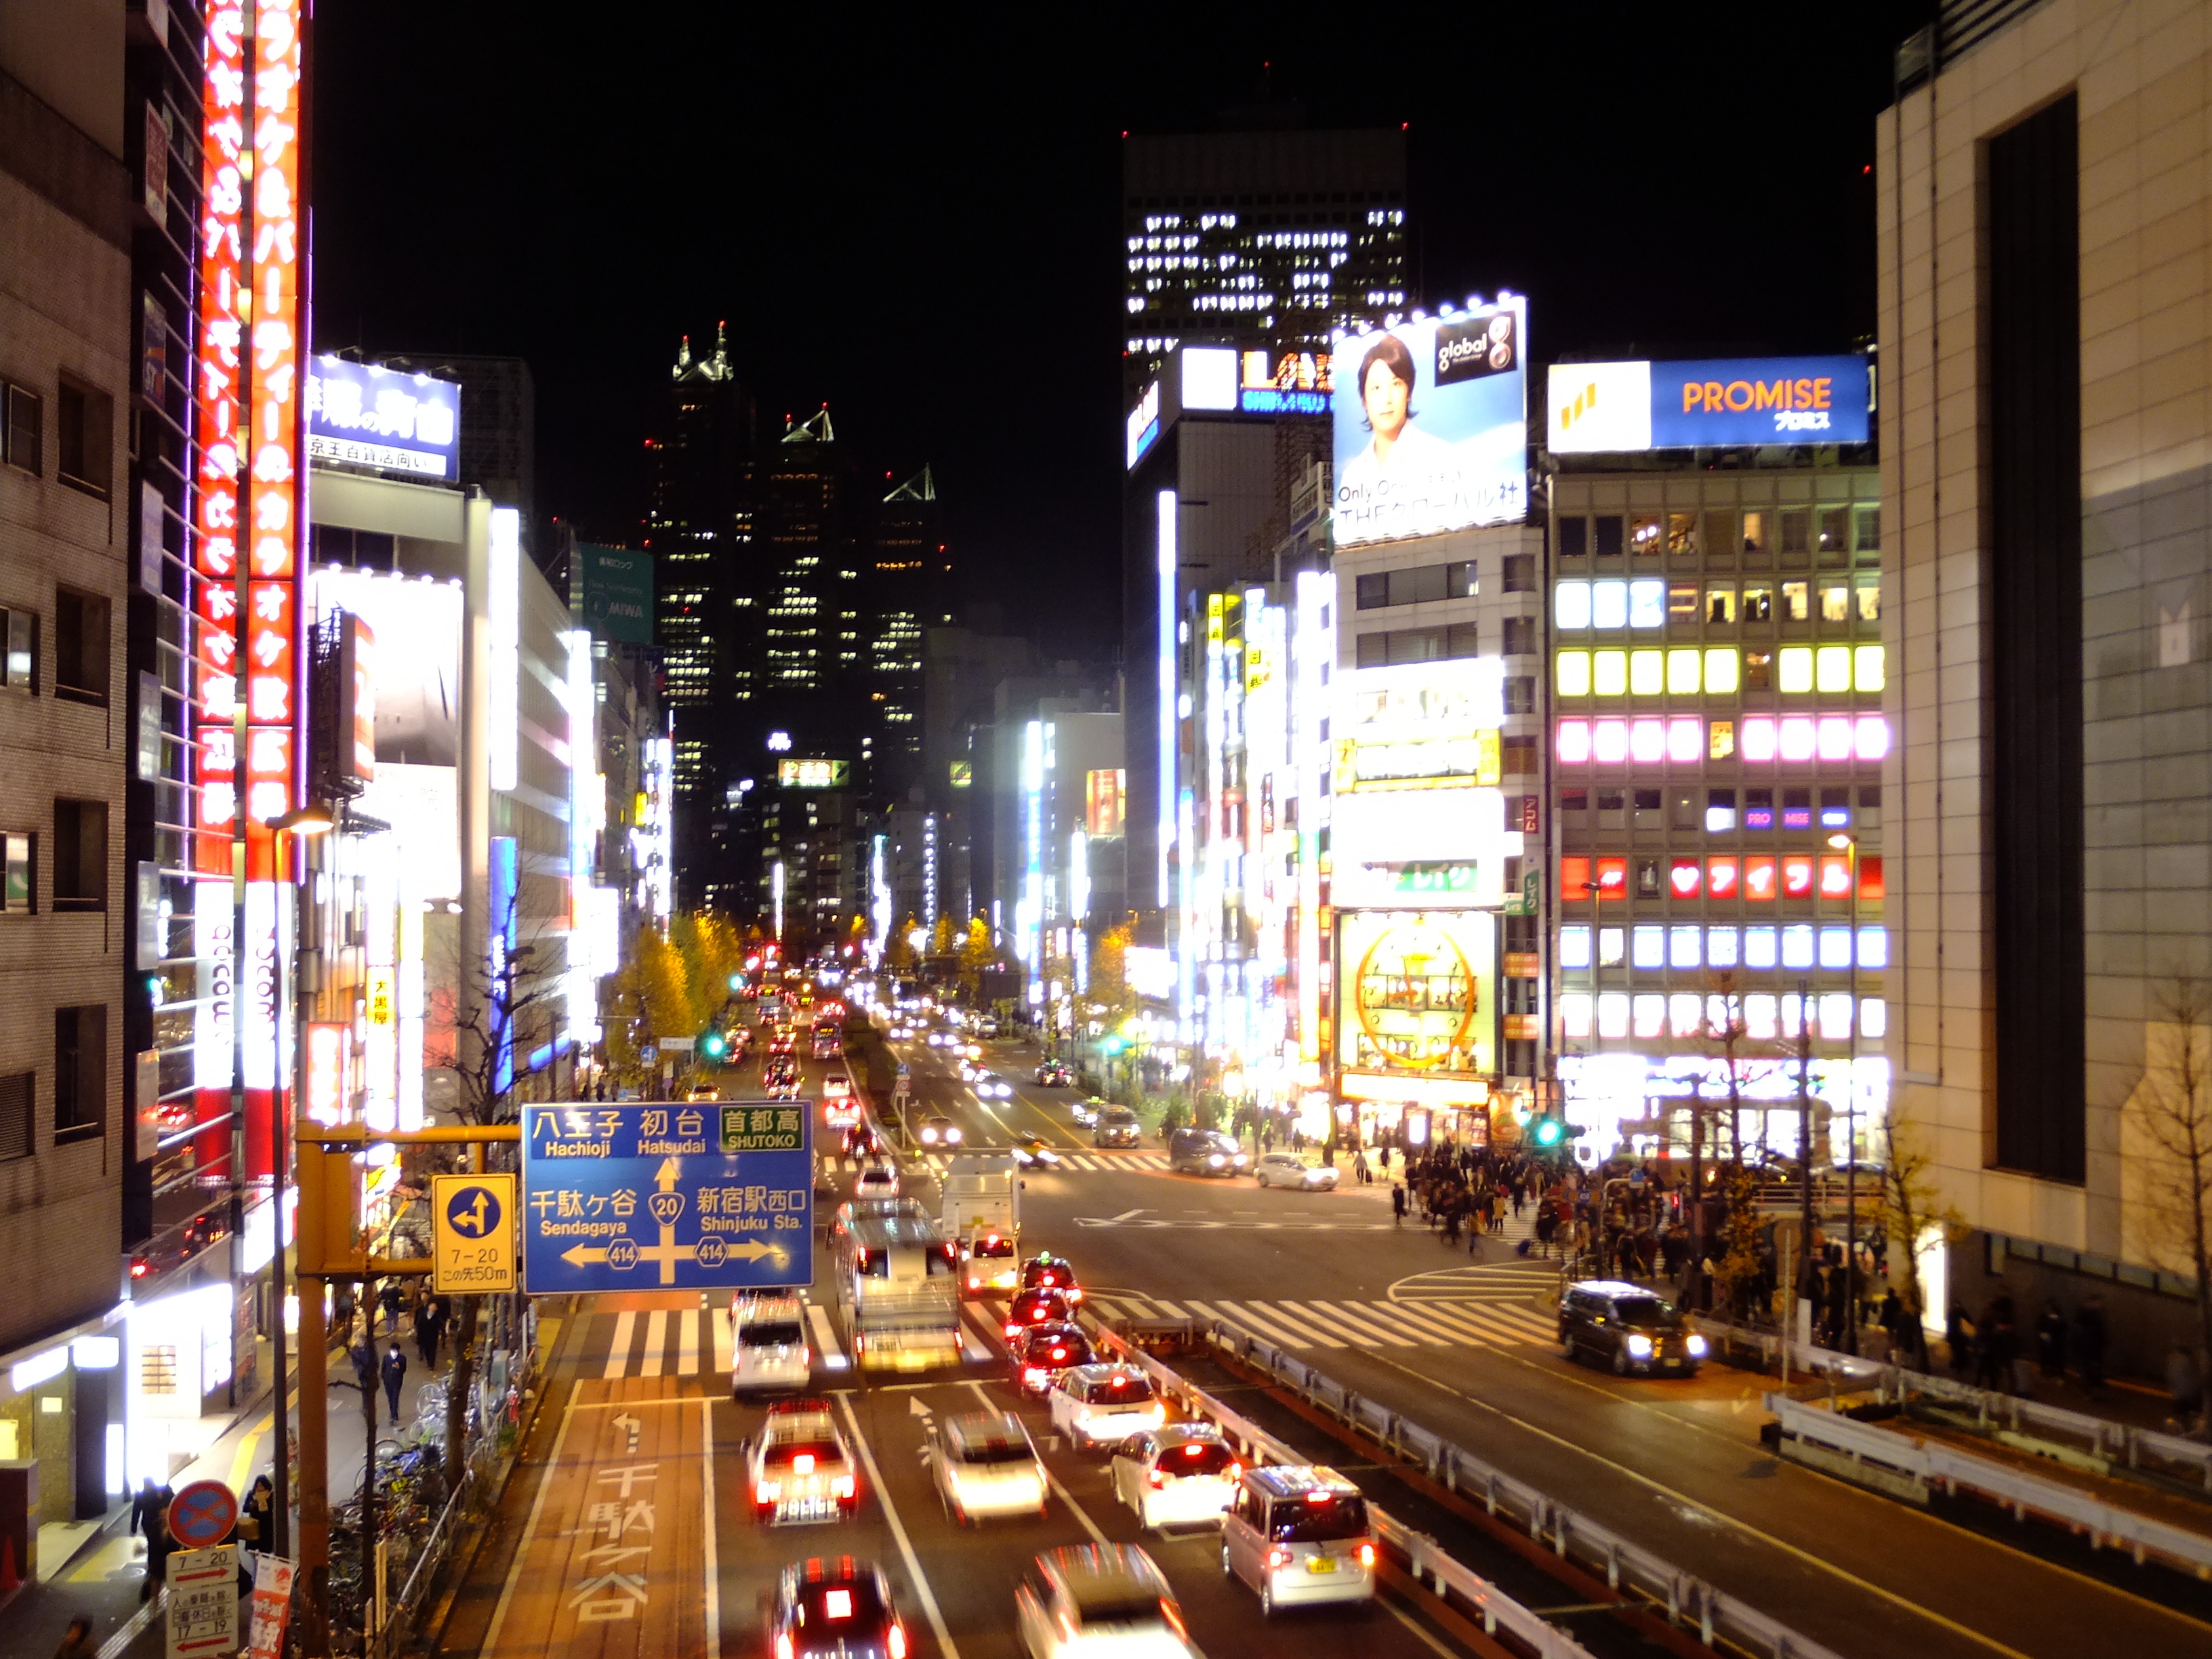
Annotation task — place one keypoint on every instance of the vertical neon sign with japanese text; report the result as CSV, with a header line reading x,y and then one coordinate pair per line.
x,y
226,165
274,494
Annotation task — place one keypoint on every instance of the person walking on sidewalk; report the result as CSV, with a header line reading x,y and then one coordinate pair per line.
x,y
154,1523
393,1299
395,1373
1397,1204
430,1331
2089,1344
78,1643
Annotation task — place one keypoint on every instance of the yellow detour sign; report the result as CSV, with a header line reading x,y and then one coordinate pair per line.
x,y
473,1233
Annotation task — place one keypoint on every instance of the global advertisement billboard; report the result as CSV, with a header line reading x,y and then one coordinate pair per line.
x,y
1626,408
1431,426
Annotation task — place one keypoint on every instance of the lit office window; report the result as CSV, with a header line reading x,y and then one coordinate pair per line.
x,y
1758,948
1575,1013
1720,947
1721,671
1685,1014
1647,604
1651,1015
1873,947
1610,675
1608,604
1797,946
1570,606
1866,668
1794,668
1682,672
1649,948
1571,674
1682,944
1574,947
1833,668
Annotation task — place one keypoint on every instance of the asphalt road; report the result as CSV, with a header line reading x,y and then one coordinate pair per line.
x,y
1674,1463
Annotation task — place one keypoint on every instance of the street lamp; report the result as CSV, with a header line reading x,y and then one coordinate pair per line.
x,y
1849,846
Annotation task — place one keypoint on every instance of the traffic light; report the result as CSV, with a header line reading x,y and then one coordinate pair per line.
x,y
737,981
1111,1043
714,1044
1550,1131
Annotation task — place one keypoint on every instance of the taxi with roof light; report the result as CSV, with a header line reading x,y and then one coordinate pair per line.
x,y
798,1467
1105,1405
837,1608
1043,1351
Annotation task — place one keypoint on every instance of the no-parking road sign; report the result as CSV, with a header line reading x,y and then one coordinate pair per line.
x,y
202,1515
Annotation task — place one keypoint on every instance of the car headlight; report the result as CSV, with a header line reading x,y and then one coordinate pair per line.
x,y
1240,1160
1215,1160
1639,1346
1696,1344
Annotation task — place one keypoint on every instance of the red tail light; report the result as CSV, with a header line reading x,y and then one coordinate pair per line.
x,y
783,1647
895,1644
1013,1330
1278,1557
1367,1555
1155,1480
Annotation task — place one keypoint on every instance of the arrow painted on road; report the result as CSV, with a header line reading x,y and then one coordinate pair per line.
x,y
914,1408
631,1426
1129,1215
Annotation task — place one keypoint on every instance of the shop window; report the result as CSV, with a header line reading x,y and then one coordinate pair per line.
x,y
1574,539
1612,946
1835,808
1609,673
1869,597
1682,674
1647,878
19,891
82,635
1649,948
1645,536
1682,535
1720,532
1796,602
80,1071
1720,605
1758,604
18,1100
1570,606
1867,672
1797,675
1646,673
1647,601
1797,809
18,651
1797,946
80,855
1796,535
1574,946
1758,948
85,424
1835,534
1759,809
22,431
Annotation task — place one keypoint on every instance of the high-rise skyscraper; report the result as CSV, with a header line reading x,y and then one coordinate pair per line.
x,y
699,527
907,588
1283,235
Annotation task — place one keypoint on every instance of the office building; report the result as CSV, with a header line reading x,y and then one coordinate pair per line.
x,y
69,934
907,591
1280,236
1715,813
2044,325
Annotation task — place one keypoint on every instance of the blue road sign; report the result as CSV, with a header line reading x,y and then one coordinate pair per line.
x,y
713,1196
473,1211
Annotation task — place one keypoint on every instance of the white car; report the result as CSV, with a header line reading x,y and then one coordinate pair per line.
x,y
1289,1170
876,1181
1183,1474
990,1085
798,1467
940,1132
1105,1405
1099,1598
769,1348
1085,1112
985,1464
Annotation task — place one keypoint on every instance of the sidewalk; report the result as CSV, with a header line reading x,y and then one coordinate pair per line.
x,y
102,1580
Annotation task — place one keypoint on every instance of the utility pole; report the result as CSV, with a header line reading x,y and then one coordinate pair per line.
x,y
1804,1138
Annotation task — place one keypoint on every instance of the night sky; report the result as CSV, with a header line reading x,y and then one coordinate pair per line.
x,y
919,223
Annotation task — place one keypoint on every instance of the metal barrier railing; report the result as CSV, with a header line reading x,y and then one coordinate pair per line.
x,y
1939,1465
1575,1538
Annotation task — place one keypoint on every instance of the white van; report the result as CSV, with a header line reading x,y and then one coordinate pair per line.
x,y
769,1347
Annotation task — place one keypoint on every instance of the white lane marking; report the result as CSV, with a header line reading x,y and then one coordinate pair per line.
x,y
1345,1318
1170,1309
1236,1315
825,1336
898,1533
1406,1620
975,1341
1460,1328
656,1334
1316,1335
618,1350
530,1528
712,1552
687,1346
725,1340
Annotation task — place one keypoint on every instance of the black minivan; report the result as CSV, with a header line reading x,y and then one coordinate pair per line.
x,y
1629,1326
1206,1152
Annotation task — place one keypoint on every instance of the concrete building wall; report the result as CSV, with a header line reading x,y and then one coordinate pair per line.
x,y
2142,77
64,310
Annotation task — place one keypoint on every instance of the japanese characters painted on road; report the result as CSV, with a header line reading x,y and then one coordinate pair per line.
x,y
719,1195
472,1234
202,1514
202,1606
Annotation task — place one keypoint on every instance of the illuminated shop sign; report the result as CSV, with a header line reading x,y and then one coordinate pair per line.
x,y
1616,408
813,773
1419,997
367,414
1419,726
1288,383
1143,425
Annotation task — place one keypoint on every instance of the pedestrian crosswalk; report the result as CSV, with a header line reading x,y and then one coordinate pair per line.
x,y
1313,1323
1095,1162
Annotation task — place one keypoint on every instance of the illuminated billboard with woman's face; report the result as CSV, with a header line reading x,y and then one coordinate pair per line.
x,y
1431,426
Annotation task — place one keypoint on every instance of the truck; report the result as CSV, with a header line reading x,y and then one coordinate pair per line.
x,y
982,1195
897,1282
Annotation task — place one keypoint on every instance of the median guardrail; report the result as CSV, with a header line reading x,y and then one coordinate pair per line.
x,y
1714,1615
1936,1464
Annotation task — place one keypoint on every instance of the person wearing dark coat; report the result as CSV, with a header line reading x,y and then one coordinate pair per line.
x,y
2089,1343
2050,1340
395,1373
